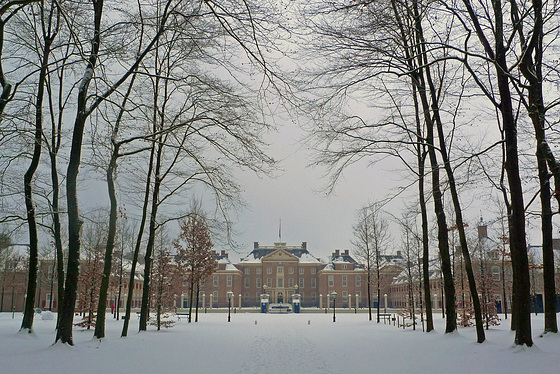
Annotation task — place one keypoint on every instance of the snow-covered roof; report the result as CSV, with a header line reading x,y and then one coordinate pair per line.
x,y
301,252
433,267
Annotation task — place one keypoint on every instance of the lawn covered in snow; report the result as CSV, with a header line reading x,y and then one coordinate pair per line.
x,y
264,343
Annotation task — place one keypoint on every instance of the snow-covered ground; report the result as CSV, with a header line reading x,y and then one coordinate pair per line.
x,y
289,343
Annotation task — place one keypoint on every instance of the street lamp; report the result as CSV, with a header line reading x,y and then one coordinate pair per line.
x,y
229,296
385,303
333,296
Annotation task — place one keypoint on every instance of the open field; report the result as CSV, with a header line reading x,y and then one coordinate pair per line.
x,y
281,343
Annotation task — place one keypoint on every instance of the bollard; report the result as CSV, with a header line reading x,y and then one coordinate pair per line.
x,y
308,322
255,322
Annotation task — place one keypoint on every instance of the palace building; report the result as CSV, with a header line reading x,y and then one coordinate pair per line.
x,y
282,271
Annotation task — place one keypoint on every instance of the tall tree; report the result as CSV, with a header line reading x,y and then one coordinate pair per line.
x,y
474,18
531,66
84,110
371,236
49,32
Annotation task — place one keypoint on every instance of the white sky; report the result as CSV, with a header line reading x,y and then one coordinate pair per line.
x,y
295,196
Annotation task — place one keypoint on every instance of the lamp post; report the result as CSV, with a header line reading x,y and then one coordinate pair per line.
x,y
229,296
385,303
333,295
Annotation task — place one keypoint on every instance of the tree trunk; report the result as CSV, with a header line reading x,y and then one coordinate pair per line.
x,y
64,333
521,312
480,336
532,71
107,264
518,246
191,296
138,245
378,286
29,311
369,291
197,300
421,159
145,309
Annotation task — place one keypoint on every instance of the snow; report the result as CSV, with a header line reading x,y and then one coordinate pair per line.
x,y
308,258
281,343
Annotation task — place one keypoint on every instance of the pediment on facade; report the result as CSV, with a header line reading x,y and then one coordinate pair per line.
x,y
280,255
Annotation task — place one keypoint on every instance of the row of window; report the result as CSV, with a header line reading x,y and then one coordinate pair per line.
x,y
280,281
357,279
279,270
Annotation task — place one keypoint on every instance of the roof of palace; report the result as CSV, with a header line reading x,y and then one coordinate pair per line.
x,y
300,252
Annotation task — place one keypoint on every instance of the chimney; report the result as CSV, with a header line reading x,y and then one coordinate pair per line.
x,y
255,245
399,253
303,245
224,254
346,252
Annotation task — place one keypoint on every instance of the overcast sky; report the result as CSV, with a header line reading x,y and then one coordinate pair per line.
x,y
295,196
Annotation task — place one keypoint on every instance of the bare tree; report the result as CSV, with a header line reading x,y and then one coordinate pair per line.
x,y
194,252
497,49
85,108
164,276
371,236
49,33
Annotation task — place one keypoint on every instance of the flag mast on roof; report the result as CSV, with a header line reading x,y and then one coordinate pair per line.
x,y
280,230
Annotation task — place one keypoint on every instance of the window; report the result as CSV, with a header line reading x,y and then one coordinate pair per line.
x,y
331,280
290,270
280,270
247,270
259,282
229,280
215,296
344,266
302,270
259,271
344,296
358,280
313,297
301,282
185,301
246,297
258,296
290,282
269,270
247,282
280,282
344,281
496,272
313,282
215,280
269,282
313,271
